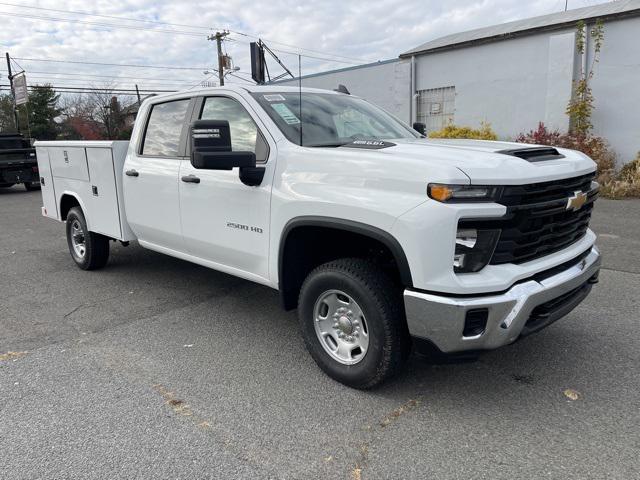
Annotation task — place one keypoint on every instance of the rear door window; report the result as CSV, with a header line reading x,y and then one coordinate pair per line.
x,y
162,137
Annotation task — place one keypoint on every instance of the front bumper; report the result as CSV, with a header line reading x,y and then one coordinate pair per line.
x,y
441,319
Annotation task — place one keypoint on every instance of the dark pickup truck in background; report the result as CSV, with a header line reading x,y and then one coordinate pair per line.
x,y
18,162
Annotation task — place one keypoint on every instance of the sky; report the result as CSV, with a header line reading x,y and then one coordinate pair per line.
x,y
329,34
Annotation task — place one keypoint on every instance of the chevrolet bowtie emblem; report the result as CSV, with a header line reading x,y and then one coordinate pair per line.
x,y
576,201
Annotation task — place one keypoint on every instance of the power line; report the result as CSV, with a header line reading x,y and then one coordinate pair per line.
x,y
44,78
76,12
91,89
99,24
302,55
133,65
296,47
104,78
94,75
155,22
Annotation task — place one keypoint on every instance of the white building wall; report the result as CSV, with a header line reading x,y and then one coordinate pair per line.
x,y
616,88
386,84
512,84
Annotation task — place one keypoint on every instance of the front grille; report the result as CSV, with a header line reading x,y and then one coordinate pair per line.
x,y
537,222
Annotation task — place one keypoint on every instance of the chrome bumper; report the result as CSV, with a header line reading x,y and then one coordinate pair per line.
x,y
441,319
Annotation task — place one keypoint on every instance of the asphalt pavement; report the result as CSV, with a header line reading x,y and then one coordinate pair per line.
x,y
157,368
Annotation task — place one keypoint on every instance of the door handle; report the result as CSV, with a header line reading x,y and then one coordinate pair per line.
x,y
190,179
131,173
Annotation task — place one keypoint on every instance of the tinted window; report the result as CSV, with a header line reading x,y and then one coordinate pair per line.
x,y
244,131
164,129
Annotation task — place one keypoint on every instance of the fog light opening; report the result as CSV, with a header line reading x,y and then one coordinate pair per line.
x,y
475,322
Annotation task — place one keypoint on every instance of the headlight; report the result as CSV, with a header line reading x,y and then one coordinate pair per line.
x,y
462,193
474,249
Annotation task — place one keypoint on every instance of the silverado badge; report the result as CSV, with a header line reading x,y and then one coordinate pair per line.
x,y
576,201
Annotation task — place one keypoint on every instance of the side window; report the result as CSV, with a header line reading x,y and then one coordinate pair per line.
x,y
164,127
245,136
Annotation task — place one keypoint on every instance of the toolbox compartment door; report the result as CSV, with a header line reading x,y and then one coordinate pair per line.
x,y
69,163
102,198
47,188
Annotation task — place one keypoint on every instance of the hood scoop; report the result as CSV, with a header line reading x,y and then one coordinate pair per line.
x,y
534,154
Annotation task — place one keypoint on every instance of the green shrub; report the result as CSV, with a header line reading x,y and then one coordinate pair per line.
x,y
485,132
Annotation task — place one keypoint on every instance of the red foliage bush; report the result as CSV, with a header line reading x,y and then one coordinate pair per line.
x,y
595,147
613,183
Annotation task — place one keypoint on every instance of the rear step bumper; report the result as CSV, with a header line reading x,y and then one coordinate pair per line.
x,y
455,324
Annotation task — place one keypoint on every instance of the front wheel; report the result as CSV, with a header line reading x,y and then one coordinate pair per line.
x,y
89,250
352,319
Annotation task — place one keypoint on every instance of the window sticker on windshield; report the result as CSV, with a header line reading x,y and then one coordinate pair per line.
x,y
286,114
273,97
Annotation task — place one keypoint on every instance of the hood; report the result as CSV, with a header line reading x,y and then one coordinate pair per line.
x,y
488,162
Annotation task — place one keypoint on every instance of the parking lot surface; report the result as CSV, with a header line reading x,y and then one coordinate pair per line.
x,y
157,368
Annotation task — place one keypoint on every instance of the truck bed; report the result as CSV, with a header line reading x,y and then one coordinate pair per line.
x,y
91,172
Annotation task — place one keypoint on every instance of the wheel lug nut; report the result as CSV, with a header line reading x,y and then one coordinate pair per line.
x,y
335,325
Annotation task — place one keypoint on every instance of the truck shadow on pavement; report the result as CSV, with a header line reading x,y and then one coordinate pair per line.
x,y
524,366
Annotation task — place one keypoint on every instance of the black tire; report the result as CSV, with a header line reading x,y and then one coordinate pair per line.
x,y
381,302
6,185
31,186
96,251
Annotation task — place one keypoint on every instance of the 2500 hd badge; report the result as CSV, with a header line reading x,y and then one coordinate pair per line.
x,y
240,226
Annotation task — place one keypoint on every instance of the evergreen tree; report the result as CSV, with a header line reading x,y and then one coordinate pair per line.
x,y
43,109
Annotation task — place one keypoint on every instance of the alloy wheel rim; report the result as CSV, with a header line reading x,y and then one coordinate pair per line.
x,y
78,240
341,327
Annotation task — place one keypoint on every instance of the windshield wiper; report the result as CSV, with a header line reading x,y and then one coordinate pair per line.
x,y
328,144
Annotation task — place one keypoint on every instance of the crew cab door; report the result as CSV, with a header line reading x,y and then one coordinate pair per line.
x,y
151,175
225,221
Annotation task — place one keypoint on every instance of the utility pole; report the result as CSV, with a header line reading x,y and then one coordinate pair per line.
x,y
566,5
218,38
13,94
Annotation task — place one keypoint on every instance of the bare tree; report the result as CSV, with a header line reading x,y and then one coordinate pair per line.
x,y
101,113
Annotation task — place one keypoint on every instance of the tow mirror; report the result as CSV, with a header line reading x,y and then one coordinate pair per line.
x,y
211,147
420,127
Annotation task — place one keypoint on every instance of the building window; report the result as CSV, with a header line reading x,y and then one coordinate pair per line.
x,y
436,107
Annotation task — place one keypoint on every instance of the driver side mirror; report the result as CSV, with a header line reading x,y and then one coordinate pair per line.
x,y
211,147
420,127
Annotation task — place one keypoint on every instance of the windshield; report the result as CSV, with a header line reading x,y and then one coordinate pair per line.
x,y
329,120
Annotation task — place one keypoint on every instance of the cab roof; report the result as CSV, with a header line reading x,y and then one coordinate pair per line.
x,y
243,89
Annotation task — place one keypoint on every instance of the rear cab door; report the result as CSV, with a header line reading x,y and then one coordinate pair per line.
x,y
151,173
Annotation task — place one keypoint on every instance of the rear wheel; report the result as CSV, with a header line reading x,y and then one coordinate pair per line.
x,y
30,186
89,250
352,320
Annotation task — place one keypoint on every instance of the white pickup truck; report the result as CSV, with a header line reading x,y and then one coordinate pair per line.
x,y
382,239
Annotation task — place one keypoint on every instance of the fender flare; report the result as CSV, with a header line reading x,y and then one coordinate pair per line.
x,y
80,202
375,233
